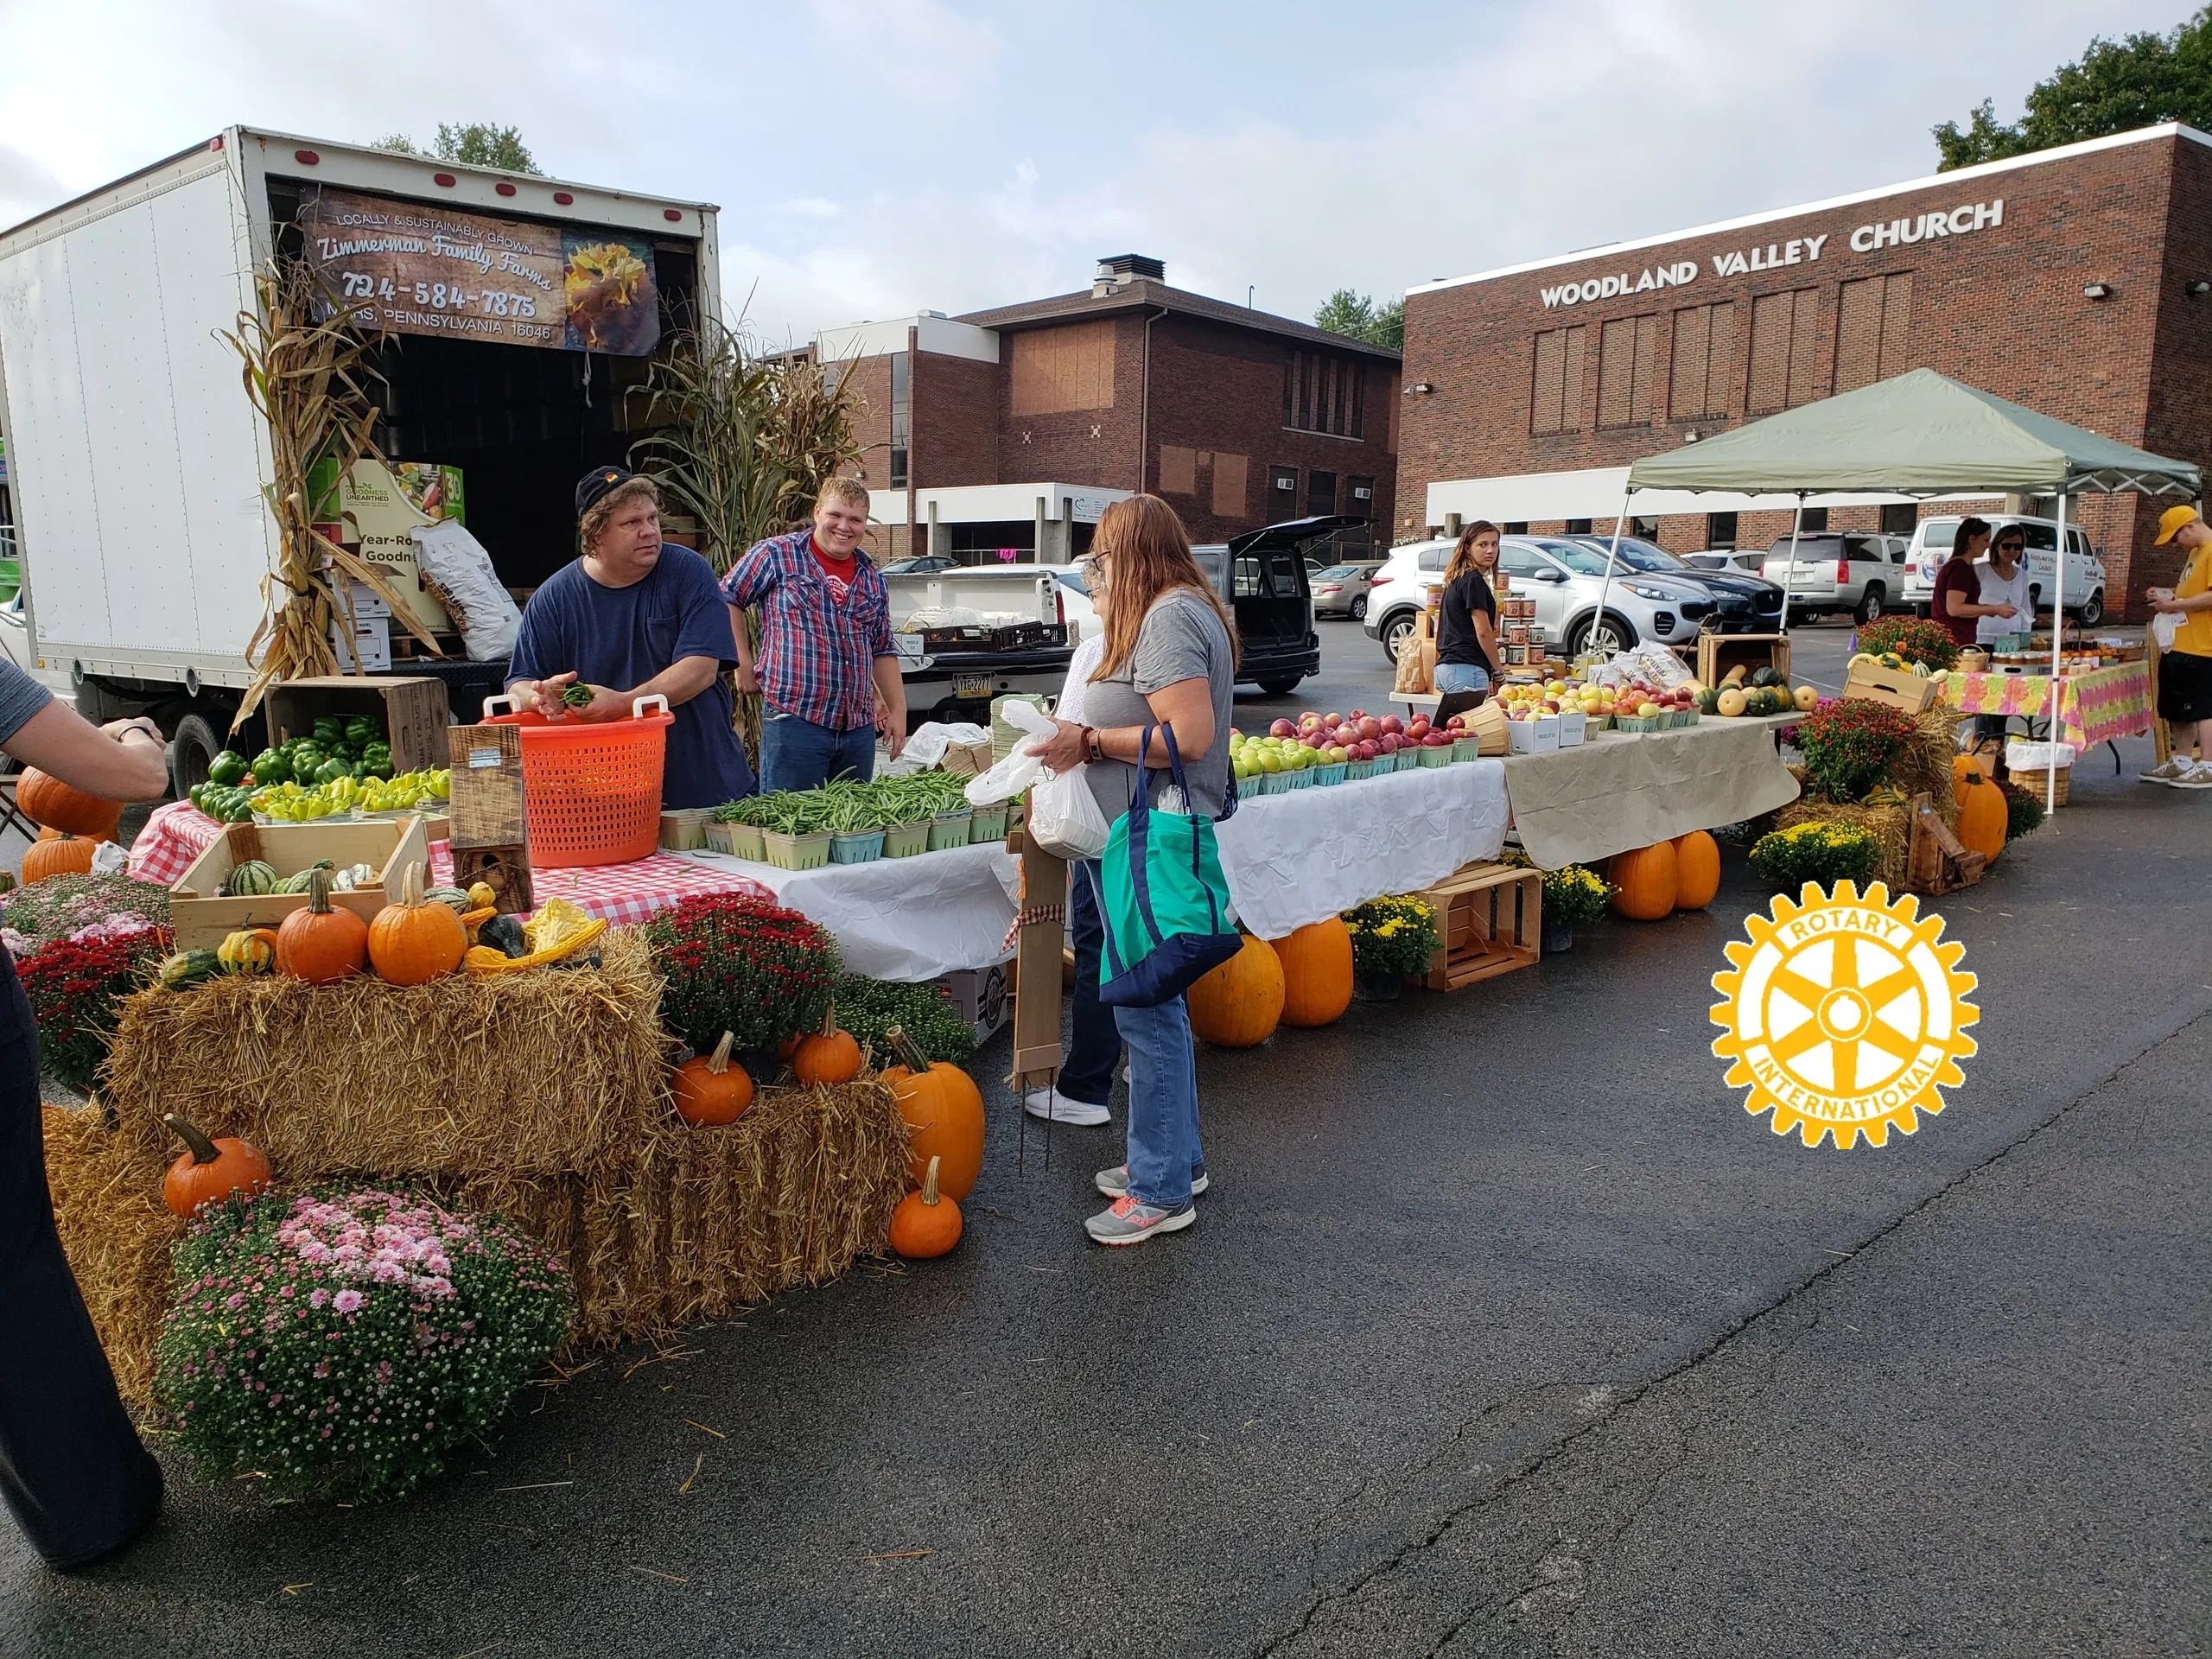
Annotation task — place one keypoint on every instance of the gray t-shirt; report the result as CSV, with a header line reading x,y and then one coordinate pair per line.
x,y
21,696
1182,639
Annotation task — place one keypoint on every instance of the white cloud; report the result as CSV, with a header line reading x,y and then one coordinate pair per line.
x,y
809,207
922,50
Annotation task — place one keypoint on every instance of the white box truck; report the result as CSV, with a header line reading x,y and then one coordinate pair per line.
x,y
524,308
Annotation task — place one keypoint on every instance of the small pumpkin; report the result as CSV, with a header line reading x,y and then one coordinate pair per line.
x,y
926,1222
1697,870
1316,973
1730,703
1982,766
45,800
249,950
1646,882
1982,814
828,1057
251,880
186,969
943,1111
62,856
354,878
322,943
211,1169
1239,1004
712,1089
414,941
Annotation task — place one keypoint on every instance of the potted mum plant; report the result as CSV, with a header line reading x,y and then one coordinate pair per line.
x,y
1573,897
1392,940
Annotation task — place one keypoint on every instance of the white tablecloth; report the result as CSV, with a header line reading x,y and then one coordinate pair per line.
x,y
1295,859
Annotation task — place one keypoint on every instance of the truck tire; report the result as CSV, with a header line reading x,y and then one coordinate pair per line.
x,y
1870,605
1282,687
1396,631
2093,608
195,745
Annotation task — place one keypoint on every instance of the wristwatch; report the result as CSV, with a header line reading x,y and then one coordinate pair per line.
x,y
1090,746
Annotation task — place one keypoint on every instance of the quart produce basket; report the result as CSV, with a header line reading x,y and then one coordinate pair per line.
x,y
593,788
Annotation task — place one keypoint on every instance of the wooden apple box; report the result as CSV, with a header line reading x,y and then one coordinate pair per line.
x,y
1937,862
1717,654
1489,921
1899,687
413,711
202,920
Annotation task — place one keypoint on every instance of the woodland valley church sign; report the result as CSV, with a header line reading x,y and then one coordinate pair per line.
x,y
1797,251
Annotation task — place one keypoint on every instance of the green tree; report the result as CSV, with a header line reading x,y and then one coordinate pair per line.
x,y
472,143
1358,315
2115,87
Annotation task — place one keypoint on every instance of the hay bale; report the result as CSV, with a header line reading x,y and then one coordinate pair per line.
x,y
116,1234
1890,826
1923,766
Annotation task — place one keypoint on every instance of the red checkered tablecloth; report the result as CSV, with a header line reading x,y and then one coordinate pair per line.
x,y
624,893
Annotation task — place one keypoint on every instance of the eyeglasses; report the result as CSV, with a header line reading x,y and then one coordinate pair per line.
x,y
2011,547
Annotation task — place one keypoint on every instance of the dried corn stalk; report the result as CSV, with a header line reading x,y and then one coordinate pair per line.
x,y
309,378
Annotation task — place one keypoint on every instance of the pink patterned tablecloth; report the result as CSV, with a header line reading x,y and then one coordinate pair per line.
x,y
2092,708
627,893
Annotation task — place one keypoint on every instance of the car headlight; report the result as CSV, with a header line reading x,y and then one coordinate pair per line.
x,y
1644,591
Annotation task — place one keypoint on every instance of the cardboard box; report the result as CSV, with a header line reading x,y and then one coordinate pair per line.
x,y
412,709
979,995
203,920
489,805
378,507
367,650
1899,687
1573,729
1539,736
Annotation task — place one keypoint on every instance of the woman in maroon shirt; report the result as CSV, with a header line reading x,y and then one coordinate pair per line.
x,y
1956,603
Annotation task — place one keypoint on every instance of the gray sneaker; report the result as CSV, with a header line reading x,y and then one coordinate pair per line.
x,y
1131,1221
1115,1182
2171,772
2197,777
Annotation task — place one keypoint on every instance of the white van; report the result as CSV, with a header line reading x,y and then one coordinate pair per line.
x,y
1933,539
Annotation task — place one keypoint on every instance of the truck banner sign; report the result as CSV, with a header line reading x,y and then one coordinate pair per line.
x,y
409,268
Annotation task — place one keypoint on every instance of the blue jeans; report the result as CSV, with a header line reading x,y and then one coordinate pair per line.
x,y
1096,1044
796,753
1164,1148
1460,677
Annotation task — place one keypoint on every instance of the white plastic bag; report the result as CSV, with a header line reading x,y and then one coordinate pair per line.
x,y
1064,817
2166,628
2020,755
454,565
1019,770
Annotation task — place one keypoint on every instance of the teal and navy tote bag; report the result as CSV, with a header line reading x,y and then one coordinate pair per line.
x,y
1166,903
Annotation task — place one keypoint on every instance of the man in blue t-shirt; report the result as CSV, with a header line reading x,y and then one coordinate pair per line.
x,y
637,617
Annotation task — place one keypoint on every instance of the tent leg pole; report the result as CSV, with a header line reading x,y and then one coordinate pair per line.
x,y
1613,558
2057,648
1790,570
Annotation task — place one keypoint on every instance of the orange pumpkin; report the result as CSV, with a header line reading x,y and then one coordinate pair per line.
x,y
1645,883
1316,972
711,1089
1240,1003
943,1111
828,1057
322,943
1982,815
1981,765
412,943
926,1222
211,1169
62,856
45,800
1697,870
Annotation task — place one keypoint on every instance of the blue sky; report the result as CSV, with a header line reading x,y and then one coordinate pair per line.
x,y
875,156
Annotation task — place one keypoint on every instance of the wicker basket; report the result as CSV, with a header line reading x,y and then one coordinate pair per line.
x,y
2036,782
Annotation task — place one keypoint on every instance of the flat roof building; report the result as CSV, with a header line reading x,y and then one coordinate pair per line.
x,y
2077,281
1003,434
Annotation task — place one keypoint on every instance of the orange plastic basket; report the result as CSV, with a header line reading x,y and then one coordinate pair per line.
x,y
591,788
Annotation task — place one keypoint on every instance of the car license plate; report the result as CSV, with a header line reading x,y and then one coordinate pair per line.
x,y
971,685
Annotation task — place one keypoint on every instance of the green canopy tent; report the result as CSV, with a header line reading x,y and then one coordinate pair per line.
x,y
1920,434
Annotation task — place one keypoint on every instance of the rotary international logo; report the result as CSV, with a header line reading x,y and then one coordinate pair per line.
x,y
1844,1014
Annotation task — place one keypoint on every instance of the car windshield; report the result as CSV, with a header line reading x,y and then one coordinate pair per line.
x,y
1576,557
1337,572
1636,553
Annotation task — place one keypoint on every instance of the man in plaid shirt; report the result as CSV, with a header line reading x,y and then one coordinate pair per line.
x,y
827,667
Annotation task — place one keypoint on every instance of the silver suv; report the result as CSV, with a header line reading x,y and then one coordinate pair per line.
x,y
1839,573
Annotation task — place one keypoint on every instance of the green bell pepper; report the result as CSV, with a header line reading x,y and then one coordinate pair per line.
x,y
332,770
271,767
329,731
361,732
228,768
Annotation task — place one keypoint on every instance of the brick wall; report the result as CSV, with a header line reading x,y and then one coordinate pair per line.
x,y
1097,447
2000,308
954,426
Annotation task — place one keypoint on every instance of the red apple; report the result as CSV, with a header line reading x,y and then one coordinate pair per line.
x,y
1282,728
1392,723
1392,742
1369,727
1332,720
1436,740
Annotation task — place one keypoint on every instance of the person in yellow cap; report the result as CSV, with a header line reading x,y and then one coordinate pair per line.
x,y
2185,667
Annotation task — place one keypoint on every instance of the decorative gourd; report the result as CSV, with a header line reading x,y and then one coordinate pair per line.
x,y
45,800
1697,870
63,855
414,941
828,1056
211,1169
1982,815
251,880
926,1222
1644,882
354,878
1730,703
452,898
1240,1003
505,935
1316,972
1806,697
305,879
712,1088
186,969
321,944
943,1111
249,950
482,896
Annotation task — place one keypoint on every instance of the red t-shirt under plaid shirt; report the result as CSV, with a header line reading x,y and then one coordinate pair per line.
x,y
817,651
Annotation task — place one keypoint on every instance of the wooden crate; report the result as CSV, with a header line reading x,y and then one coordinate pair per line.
x,y
203,920
1938,862
411,708
1718,652
506,870
1899,687
1489,921
486,801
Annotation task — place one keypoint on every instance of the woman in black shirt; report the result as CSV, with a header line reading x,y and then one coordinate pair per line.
x,y
1466,634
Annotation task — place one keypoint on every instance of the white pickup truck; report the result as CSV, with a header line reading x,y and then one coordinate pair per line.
x,y
967,635
1839,573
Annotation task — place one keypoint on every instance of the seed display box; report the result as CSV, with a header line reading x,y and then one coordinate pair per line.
x,y
203,919
412,710
1489,921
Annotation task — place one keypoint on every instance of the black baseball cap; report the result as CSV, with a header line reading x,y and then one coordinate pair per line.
x,y
596,483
